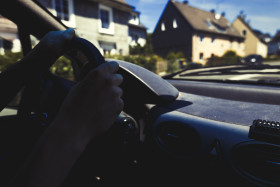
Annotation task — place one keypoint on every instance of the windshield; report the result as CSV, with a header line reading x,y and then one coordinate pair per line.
x,y
213,40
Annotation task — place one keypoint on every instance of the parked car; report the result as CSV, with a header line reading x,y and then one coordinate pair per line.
x,y
252,59
212,126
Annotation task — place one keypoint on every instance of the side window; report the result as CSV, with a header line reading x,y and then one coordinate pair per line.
x,y
10,53
106,24
10,48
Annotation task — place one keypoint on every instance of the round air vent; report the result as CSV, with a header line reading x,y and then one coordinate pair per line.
x,y
259,162
178,139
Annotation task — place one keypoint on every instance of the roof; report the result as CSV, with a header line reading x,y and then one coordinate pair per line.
x,y
121,1
118,4
206,21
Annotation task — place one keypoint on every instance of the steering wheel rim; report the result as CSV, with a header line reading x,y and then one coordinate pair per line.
x,y
86,57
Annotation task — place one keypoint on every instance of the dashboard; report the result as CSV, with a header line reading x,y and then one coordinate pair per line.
x,y
210,123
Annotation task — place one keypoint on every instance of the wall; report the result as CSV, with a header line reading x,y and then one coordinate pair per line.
x,y
218,47
87,26
172,39
252,43
262,49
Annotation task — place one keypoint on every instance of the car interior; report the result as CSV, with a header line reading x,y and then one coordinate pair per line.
x,y
171,131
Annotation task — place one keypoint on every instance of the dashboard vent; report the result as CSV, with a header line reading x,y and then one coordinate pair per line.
x,y
260,162
178,139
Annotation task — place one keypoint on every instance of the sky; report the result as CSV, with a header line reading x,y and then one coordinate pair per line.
x,y
263,15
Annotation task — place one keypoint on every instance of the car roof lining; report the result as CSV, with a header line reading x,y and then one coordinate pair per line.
x,y
33,13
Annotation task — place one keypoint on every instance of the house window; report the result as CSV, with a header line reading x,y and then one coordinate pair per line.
x,y
106,24
201,38
175,25
162,27
201,56
244,32
64,11
212,40
104,16
134,19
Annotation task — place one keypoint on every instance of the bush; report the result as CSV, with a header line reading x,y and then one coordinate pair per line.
x,y
62,67
172,61
229,58
8,59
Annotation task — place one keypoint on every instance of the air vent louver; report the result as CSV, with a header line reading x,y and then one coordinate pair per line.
x,y
178,139
259,162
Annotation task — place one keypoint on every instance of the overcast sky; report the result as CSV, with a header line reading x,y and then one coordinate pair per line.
x,y
263,15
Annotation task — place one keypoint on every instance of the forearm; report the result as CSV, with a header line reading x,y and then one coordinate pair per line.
x,y
53,157
12,81
17,75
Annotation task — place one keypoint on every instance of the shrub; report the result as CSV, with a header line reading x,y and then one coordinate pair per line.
x,y
62,67
229,58
172,61
8,59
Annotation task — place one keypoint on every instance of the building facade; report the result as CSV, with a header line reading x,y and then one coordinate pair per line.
x,y
197,33
253,44
110,25
274,45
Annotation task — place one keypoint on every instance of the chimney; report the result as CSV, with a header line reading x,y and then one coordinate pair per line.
x,y
185,2
212,11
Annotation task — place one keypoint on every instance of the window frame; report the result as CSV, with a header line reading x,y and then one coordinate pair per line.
x,y
110,30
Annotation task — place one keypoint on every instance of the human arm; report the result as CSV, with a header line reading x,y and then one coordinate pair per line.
x,y
88,110
36,61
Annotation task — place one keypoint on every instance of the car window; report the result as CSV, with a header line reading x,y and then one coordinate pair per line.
x,y
11,52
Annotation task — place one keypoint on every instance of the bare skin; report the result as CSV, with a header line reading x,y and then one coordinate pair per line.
x,y
89,110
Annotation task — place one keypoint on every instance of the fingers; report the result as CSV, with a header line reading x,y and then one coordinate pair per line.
x,y
111,66
106,69
68,34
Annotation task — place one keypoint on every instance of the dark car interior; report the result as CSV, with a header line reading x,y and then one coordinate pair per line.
x,y
171,132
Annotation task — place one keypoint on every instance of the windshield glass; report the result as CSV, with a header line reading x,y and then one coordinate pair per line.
x,y
221,40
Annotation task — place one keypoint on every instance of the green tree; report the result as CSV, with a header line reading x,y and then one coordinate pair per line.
x,y
147,49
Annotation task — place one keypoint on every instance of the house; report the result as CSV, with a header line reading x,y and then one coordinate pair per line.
x,y
254,44
111,25
274,45
199,34
8,36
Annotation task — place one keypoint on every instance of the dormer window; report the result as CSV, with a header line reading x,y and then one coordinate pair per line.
x,y
134,19
175,25
162,26
64,11
106,24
